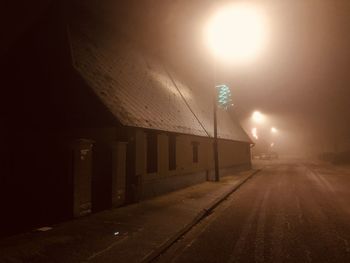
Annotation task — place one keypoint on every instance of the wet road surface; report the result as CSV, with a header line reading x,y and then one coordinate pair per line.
x,y
290,212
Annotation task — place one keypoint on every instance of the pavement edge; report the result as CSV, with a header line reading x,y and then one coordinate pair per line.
x,y
201,215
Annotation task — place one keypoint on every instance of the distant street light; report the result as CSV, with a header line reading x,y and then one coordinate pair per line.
x,y
258,117
274,130
235,33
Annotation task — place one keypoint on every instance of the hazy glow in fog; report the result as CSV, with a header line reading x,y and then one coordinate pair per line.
x,y
255,133
274,130
258,117
237,32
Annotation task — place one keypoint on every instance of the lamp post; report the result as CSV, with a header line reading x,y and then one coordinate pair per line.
x,y
215,145
235,33
222,97
216,148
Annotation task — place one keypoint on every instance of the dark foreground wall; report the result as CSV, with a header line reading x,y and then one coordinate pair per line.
x,y
43,102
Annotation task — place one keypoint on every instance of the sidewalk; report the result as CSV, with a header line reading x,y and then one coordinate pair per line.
x,y
127,234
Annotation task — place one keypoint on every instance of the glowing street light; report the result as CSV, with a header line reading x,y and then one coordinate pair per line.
x,y
235,33
274,130
258,117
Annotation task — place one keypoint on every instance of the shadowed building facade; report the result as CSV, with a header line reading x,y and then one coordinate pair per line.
x,y
94,120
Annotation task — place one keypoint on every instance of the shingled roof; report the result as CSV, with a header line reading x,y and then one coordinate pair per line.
x,y
142,91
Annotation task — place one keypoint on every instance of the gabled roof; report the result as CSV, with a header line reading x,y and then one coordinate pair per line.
x,y
141,91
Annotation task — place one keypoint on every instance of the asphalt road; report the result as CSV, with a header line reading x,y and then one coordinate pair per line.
x,y
290,212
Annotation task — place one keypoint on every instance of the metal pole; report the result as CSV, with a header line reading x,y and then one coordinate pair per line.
x,y
216,151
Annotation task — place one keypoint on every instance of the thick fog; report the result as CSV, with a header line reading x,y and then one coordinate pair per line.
x,y
300,81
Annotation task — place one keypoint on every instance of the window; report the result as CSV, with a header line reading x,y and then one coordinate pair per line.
x,y
172,151
195,152
152,152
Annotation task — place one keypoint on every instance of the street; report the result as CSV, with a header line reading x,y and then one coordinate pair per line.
x,y
175,131
292,211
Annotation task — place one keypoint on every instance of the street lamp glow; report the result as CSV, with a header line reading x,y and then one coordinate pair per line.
x,y
255,133
237,32
274,130
258,117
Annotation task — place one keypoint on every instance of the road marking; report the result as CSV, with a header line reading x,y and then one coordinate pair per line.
x,y
96,254
260,232
329,229
277,236
239,246
300,212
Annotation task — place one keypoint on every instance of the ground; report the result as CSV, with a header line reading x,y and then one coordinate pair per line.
x,y
292,211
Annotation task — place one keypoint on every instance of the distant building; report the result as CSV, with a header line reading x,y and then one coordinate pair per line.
x,y
93,122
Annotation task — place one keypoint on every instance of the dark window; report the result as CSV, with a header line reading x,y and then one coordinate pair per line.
x,y
195,152
152,152
172,152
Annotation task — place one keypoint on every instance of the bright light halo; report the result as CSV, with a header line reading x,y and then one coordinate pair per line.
x,y
258,117
236,32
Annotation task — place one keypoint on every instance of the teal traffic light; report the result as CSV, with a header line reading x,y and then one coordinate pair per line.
x,y
224,96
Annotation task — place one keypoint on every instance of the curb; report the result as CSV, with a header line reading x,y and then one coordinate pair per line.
x,y
201,215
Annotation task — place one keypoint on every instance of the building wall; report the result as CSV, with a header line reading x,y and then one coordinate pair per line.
x,y
102,153
114,164
64,175
233,153
233,157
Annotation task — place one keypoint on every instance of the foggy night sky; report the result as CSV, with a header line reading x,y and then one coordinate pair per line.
x,y
301,80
